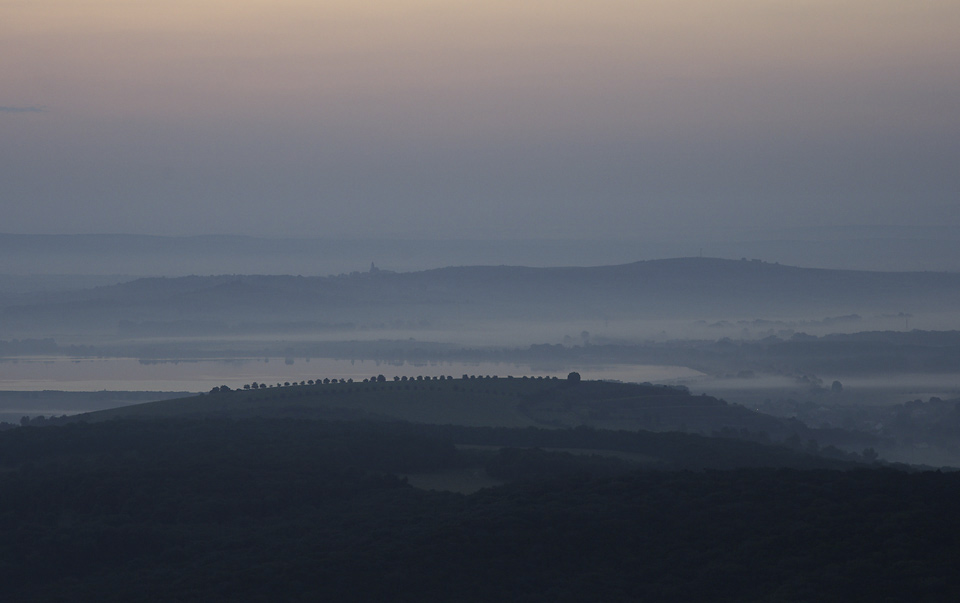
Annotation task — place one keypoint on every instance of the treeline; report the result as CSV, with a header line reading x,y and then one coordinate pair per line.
x,y
41,347
377,379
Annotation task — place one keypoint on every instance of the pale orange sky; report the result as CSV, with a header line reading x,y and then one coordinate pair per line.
x,y
642,108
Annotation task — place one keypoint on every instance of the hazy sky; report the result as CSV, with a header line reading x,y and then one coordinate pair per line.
x,y
545,118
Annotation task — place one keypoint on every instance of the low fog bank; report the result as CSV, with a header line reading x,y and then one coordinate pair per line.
x,y
915,417
714,316
832,349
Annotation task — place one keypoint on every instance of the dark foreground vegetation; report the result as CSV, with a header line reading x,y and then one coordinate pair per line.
x,y
491,401
263,509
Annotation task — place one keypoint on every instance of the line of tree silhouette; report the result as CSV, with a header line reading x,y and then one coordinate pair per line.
x,y
573,377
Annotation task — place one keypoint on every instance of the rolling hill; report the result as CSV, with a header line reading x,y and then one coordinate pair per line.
x,y
495,402
680,288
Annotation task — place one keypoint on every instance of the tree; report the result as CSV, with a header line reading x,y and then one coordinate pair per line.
x,y
573,377
836,387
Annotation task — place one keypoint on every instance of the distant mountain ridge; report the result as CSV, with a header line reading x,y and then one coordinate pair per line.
x,y
675,288
836,247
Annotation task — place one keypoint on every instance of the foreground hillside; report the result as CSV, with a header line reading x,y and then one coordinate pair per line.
x,y
296,510
498,402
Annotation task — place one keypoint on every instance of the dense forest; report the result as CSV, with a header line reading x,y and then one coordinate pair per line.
x,y
285,509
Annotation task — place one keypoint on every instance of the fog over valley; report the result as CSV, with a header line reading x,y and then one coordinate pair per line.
x,y
533,301
833,348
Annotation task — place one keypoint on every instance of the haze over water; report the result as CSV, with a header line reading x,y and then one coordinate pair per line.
x,y
129,374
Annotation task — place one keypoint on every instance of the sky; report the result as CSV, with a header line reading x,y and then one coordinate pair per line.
x,y
626,119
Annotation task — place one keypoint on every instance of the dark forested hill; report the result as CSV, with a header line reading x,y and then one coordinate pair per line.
x,y
493,402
